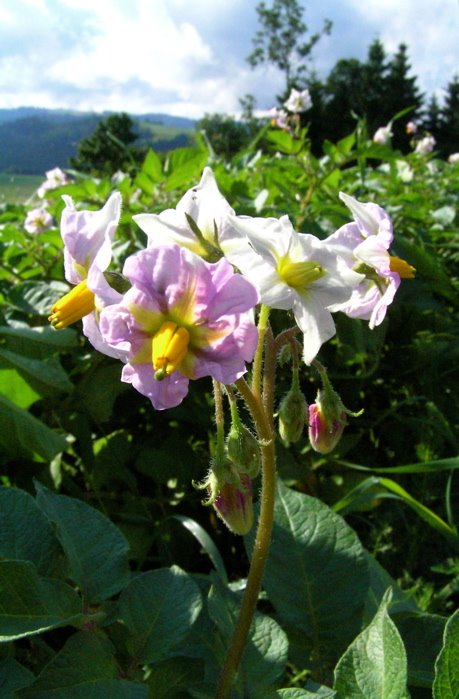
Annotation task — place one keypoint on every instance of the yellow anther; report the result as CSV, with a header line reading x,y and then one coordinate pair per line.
x,y
79,302
169,347
405,270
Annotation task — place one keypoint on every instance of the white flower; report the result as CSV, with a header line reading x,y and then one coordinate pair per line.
x,y
199,222
411,127
294,271
383,134
298,101
453,158
38,220
425,145
404,171
54,178
364,245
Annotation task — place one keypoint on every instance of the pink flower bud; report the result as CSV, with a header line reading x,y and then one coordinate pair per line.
x,y
233,505
327,420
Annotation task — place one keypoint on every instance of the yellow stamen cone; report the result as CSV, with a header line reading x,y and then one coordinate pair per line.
x,y
169,347
405,270
79,302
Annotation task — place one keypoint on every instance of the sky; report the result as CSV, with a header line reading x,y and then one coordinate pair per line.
x,y
188,57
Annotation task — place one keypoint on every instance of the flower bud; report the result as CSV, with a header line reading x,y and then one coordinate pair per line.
x,y
327,420
243,450
233,505
293,412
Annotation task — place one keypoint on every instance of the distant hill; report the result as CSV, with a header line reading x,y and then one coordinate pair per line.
x,y
34,140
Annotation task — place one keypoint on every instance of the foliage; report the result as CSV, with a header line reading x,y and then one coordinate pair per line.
x,y
114,576
281,39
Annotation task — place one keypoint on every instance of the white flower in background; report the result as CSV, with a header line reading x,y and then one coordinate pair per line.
x,y
411,127
383,134
38,220
425,145
294,271
298,101
453,158
404,171
54,178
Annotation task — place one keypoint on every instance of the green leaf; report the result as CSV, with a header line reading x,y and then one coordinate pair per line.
x,y
159,608
41,340
316,575
188,171
37,298
152,167
13,676
25,435
380,580
30,605
25,533
374,665
95,548
207,544
422,637
266,652
171,678
19,391
46,376
322,693
446,683
85,668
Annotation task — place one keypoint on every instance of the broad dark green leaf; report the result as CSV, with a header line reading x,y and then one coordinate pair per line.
x,y
446,683
13,676
374,665
422,637
42,340
37,297
152,166
172,678
159,608
25,533
85,668
45,376
380,580
323,693
22,434
95,548
316,576
16,389
30,604
265,656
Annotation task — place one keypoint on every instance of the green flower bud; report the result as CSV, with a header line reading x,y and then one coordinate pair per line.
x,y
243,450
292,413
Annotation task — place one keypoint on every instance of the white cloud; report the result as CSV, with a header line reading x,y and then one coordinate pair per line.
x,y
189,58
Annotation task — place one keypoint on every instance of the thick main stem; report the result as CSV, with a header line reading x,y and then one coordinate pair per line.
x,y
264,427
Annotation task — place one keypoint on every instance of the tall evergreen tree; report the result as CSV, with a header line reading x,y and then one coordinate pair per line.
x,y
448,141
375,74
401,92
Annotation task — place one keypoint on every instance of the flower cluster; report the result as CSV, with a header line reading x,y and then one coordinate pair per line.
x,y
185,308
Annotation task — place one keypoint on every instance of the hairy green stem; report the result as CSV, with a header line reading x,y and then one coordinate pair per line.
x,y
264,426
219,420
257,366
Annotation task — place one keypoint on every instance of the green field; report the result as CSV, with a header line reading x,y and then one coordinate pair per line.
x,y
16,189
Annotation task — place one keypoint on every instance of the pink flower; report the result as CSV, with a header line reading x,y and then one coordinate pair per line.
x,y
87,237
233,505
326,424
38,220
183,318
